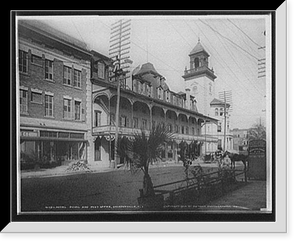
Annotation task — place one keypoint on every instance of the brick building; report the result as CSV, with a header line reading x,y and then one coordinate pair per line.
x,y
54,94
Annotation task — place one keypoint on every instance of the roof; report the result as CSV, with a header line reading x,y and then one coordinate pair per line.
x,y
45,28
198,48
148,73
218,102
147,68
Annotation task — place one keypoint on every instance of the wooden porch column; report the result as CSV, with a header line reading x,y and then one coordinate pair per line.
x,y
150,106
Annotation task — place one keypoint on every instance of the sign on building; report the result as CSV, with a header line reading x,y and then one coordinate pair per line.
x,y
257,159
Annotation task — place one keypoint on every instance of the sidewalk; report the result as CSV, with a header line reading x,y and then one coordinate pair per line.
x,y
62,170
252,196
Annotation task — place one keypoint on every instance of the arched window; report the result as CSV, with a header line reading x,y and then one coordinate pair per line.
x,y
216,112
196,61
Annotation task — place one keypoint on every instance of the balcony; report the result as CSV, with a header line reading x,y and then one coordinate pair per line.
x,y
129,131
107,129
198,71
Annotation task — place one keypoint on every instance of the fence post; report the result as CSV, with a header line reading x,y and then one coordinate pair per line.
x,y
171,198
245,170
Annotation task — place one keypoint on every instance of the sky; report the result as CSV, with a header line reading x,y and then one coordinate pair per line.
x,y
233,43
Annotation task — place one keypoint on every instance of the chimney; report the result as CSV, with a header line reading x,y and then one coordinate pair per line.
x,y
188,98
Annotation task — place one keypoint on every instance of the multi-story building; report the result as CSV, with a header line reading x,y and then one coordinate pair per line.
x,y
147,103
67,103
200,80
240,140
220,110
54,93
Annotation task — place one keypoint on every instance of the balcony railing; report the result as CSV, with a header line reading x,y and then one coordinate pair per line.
x,y
129,131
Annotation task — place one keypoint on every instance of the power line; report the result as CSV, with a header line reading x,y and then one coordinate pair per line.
x,y
224,62
230,54
242,37
180,34
235,44
244,32
78,32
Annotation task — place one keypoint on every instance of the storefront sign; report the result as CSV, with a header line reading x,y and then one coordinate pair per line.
x,y
29,133
257,159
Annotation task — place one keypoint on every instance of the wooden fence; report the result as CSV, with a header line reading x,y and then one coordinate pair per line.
x,y
201,187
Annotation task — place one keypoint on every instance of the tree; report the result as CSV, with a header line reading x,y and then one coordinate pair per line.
x,y
258,131
143,150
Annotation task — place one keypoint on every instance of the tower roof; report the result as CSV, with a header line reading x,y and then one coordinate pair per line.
x,y
198,48
218,102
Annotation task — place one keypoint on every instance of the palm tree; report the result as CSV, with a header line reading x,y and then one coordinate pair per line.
x,y
257,132
143,150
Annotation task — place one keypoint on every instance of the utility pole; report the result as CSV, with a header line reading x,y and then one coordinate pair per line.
x,y
120,32
205,136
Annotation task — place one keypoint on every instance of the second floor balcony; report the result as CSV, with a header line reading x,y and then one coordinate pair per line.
x,y
129,131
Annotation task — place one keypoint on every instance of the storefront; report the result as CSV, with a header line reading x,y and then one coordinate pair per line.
x,y
47,148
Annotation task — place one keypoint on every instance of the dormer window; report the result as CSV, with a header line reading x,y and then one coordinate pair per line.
x,y
149,90
168,96
160,93
101,70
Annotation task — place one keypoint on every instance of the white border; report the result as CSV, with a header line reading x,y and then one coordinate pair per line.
x,y
280,225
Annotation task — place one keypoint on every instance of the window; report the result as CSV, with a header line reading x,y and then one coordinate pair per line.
x,y
144,124
67,75
135,86
77,78
193,131
182,129
77,110
123,121
170,128
112,119
101,70
98,149
196,61
216,112
221,111
49,69
24,101
167,96
23,61
159,93
176,128
153,123
48,105
97,118
187,130
219,127
198,131
36,97
149,90
67,108
37,60
142,88
174,100
135,122
180,102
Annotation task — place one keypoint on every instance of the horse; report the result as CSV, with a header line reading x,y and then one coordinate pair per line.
x,y
236,157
